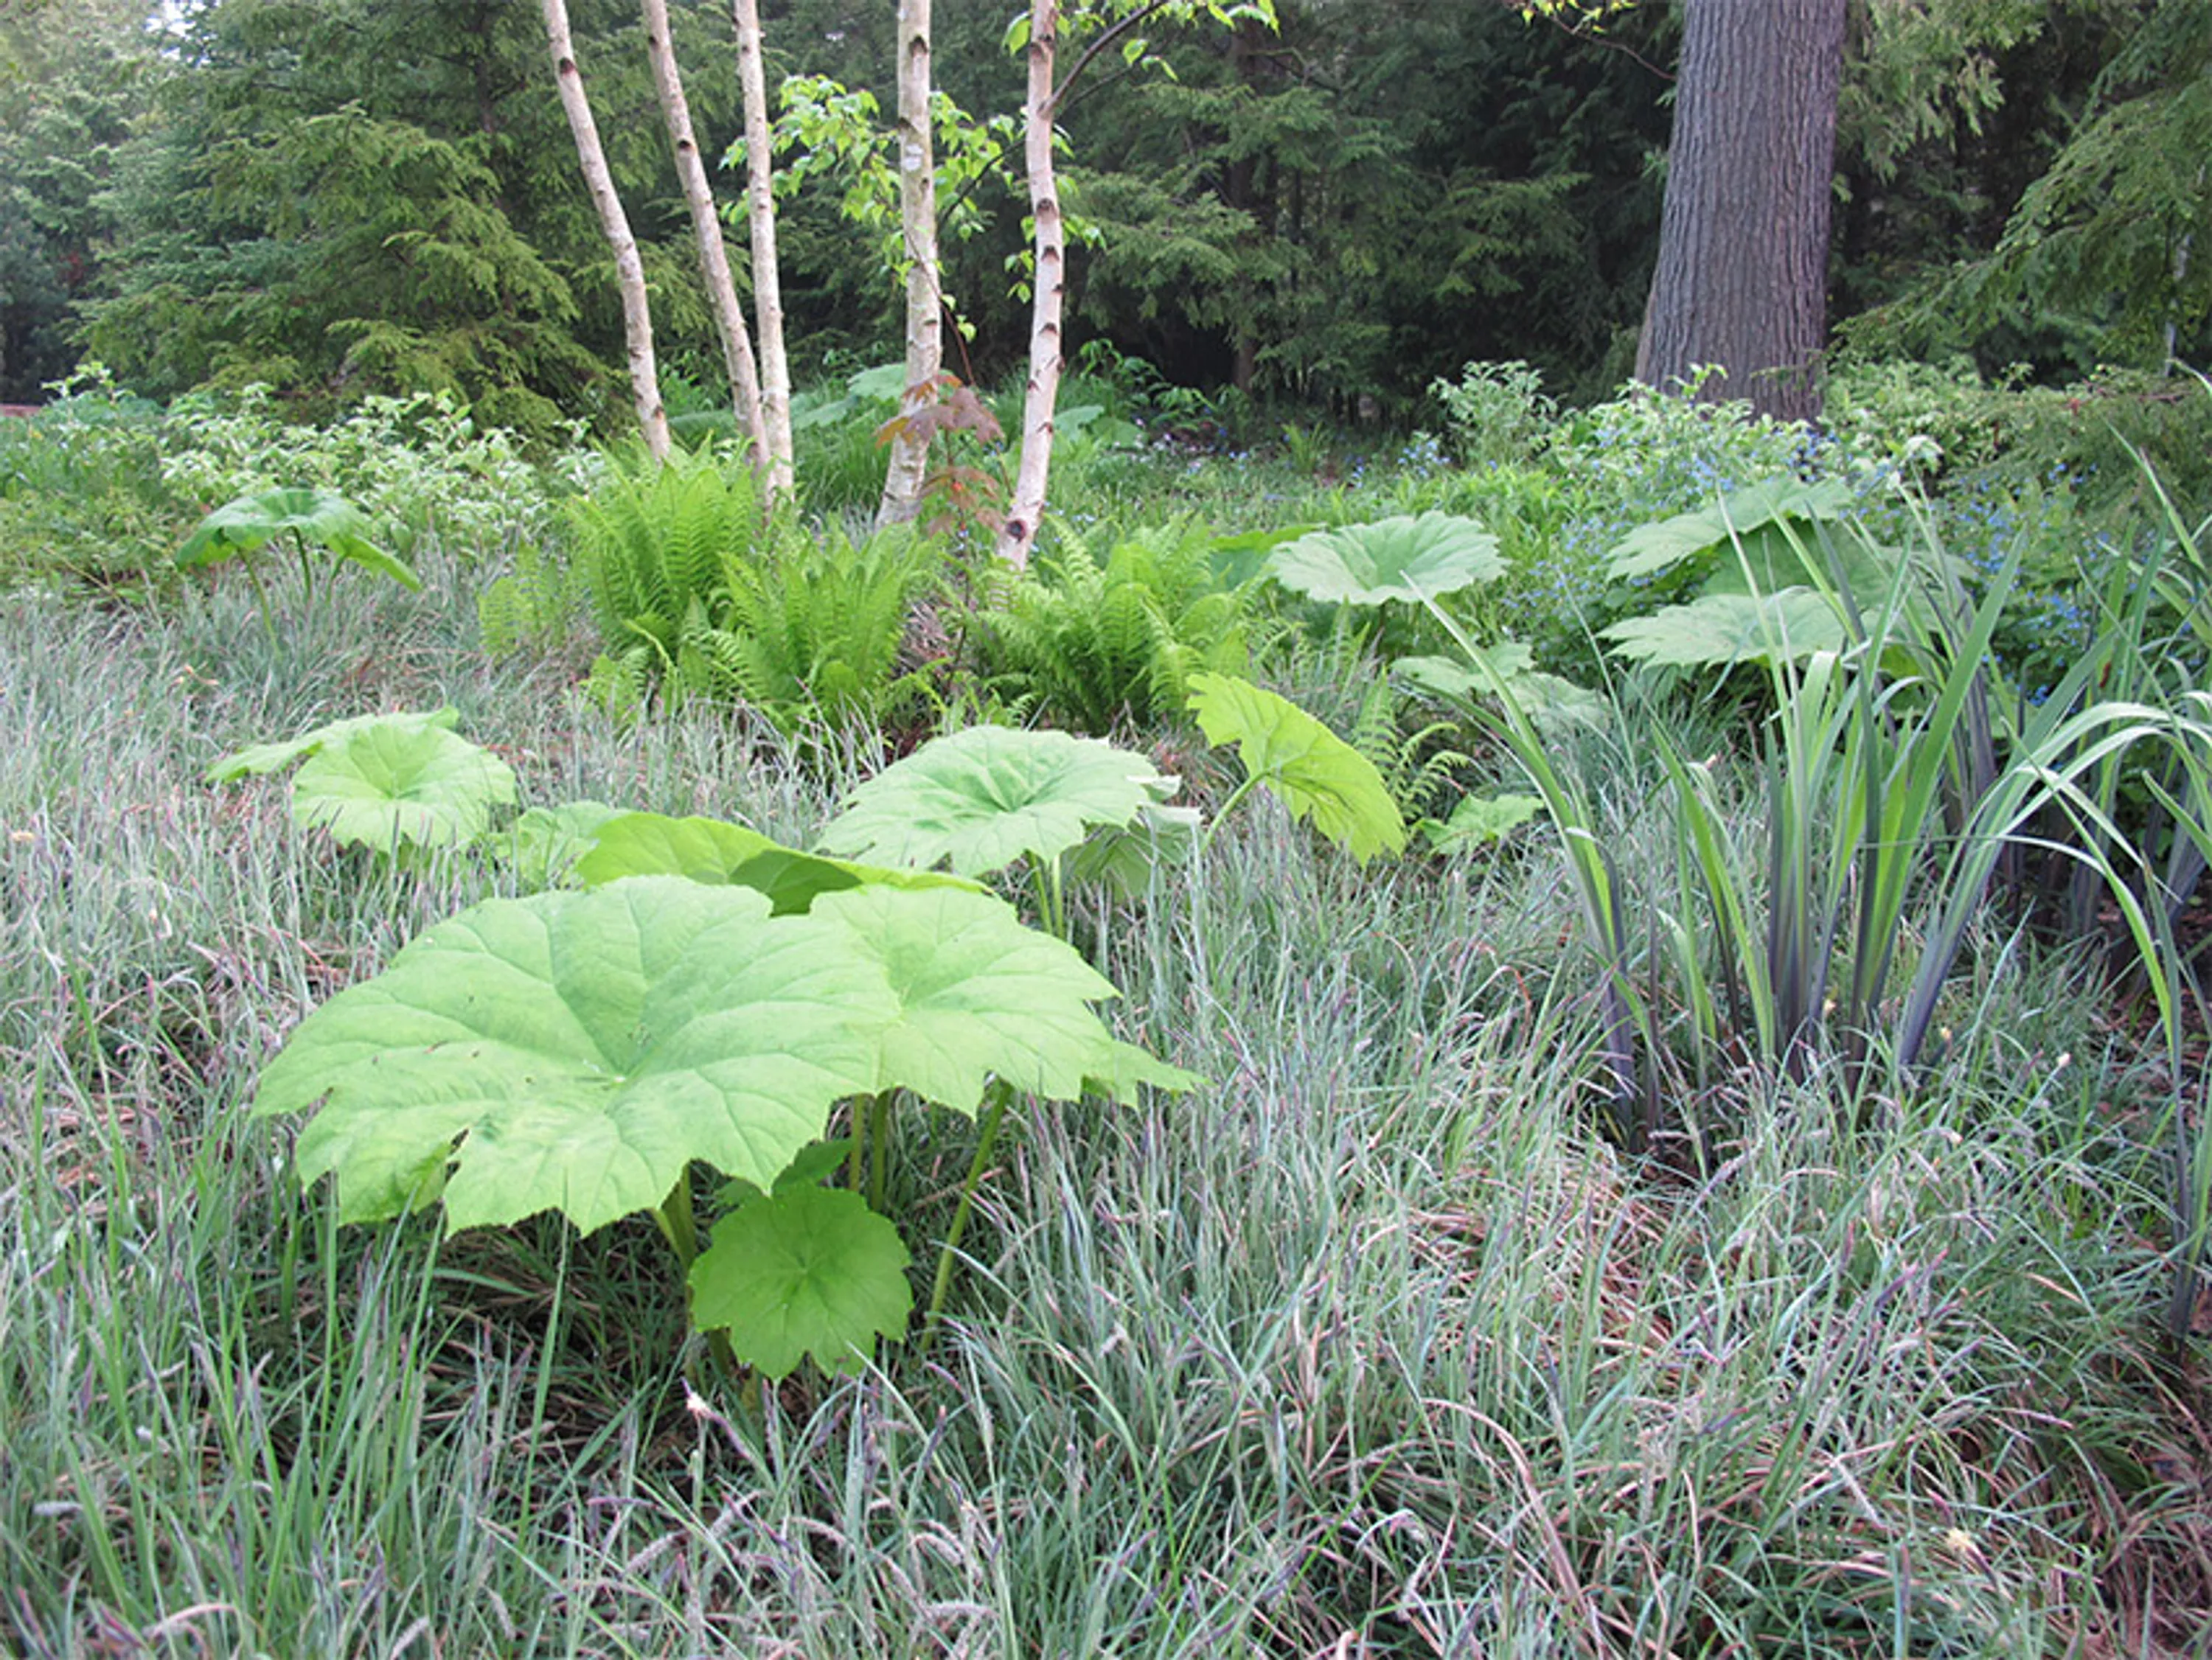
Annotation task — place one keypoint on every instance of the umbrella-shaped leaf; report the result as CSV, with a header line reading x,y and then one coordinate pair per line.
x,y
1745,516
715,851
1407,558
980,996
319,517
980,799
577,1052
275,757
383,784
804,1271
1719,630
1313,771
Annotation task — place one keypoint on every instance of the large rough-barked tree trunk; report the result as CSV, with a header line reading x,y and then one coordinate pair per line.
x,y
925,335
706,231
1743,280
1019,535
760,217
629,270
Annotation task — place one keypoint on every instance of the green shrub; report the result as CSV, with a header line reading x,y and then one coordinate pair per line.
x,y
1497,413
419,466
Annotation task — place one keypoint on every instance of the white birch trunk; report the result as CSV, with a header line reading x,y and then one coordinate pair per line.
x,y
707,229
1018,536
760,214
629,270
925,337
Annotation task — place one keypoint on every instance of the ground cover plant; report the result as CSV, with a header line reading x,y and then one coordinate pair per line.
x,y
1397,1326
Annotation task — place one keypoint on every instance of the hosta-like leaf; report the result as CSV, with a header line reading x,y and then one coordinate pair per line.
x,y
1314,773
714,851
383,784
1716,630
576,1051
1480,819
1507,661
1126,858
321,517
1744,516
543,844
1403,558
259,758
1550,701
978,800
979,995
804,1271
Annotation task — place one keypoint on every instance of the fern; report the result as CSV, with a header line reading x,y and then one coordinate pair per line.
x,y
653,541
533,606
1416,767
816,629
1099,643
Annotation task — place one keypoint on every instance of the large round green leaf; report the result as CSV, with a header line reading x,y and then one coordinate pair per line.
x,y
718,852
1749,517
1722,629
804,1271
982,995
980,799
257,758
382,784
321,518
577,1052
1406,558
1313,771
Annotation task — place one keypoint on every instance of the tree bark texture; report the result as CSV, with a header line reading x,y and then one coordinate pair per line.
x,y
925,311
629,270
760,217
1742,279
706,231
1018,536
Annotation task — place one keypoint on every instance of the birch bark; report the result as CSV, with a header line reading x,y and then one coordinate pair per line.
x,y
706,231
924,328
1018,536
629,270
760,217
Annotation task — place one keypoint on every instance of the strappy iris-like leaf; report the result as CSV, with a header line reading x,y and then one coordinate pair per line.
x,y
383,784
803,1270
320,518
978,800
259,758
1405,558
1314,773
577,1052
715,851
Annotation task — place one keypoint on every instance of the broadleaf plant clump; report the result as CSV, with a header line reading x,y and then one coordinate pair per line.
x,y
582,1051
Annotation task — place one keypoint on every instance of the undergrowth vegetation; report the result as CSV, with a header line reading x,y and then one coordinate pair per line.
x,y
1736,1185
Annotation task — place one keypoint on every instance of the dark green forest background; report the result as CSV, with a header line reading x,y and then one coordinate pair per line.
x,y
343,197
